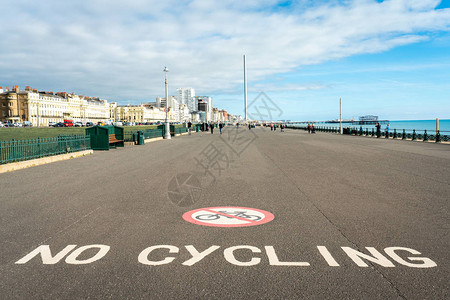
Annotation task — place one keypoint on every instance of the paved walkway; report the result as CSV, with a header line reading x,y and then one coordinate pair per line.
x,y
354,217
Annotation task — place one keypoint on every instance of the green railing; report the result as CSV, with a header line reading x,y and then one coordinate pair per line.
x,y
402,134
20,150
156,132
148,134
153,133
180,130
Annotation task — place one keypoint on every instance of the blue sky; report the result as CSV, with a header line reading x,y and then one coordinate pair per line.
x,y
404,83
388,58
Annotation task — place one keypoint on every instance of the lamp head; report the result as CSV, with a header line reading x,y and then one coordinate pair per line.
x,y
166,69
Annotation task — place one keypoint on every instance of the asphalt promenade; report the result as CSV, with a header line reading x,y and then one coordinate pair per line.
x,y
354,218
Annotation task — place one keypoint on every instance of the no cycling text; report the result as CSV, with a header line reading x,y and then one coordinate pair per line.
x,y
158,255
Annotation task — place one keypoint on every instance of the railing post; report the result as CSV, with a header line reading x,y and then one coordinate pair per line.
x,y
404,134
438,136
39,146
395,133
425,136
13,149
9,151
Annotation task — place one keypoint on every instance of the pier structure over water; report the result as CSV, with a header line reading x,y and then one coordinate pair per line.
x,y
363,120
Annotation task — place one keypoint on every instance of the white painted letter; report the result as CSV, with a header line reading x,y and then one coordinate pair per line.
x,y
198,256
377,257
274,261
72,258
427,263
143,257
328,257
46,255
229,256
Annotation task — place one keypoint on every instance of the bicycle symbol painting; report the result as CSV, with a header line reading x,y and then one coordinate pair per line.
x,y
228,216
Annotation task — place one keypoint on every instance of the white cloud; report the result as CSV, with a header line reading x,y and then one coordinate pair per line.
x,y
117,50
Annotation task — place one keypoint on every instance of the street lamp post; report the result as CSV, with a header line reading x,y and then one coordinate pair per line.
x,y
167,134
340,115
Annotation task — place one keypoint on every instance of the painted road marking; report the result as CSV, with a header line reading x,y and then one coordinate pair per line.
x,y
228,216
248,256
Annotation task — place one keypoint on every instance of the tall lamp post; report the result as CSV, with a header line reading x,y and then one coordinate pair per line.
x,y
245,87
340,115
167,134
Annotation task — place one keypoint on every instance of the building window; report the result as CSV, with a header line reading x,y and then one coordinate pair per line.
x,y
10,104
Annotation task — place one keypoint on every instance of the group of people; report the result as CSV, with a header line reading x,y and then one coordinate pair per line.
x,y
274,126
205,126
311,128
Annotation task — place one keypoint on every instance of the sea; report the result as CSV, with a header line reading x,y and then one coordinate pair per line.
x,y
409,125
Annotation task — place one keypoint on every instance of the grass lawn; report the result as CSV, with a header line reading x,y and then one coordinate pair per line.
x,y
28,133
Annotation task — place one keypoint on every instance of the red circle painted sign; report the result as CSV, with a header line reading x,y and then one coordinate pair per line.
x,y
228,216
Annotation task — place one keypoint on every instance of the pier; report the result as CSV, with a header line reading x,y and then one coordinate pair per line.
x,y
344,122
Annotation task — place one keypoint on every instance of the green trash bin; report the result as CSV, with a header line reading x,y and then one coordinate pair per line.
x,y
140,137
135,137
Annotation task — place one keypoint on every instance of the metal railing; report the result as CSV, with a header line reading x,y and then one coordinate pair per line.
x,y
180,130
402,134
20,150
153,133
148,134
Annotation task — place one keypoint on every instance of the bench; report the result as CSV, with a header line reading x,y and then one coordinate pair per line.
x,y
113,139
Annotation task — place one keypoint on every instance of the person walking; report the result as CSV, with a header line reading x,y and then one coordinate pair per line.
x,y
220,127
282,127
378,126
249,126
313,130
189,127
271,126
212,127
309,128
387,131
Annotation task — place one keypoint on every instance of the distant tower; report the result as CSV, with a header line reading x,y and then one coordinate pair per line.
x,y
245,88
